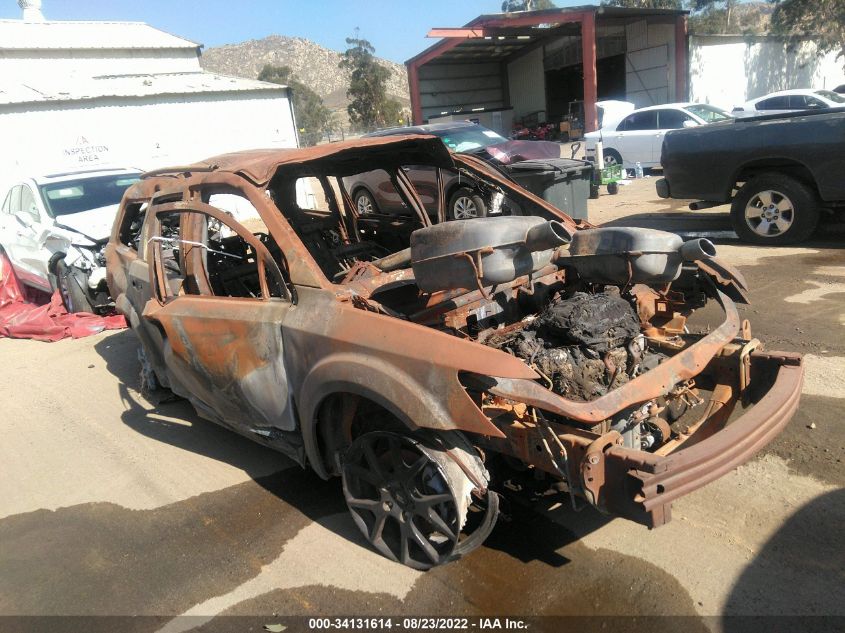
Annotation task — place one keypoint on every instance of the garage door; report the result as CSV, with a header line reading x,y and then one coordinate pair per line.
x,y
647,76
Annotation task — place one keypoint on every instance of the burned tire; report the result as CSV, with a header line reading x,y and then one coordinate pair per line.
x,y
775,209
466,204
71,284
410,499
365,204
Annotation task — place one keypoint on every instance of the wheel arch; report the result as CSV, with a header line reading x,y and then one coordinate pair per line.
x,y
453,187
317,426
411,402
360,186
782,165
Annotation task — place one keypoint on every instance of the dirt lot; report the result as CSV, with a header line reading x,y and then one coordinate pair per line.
x,y
113,505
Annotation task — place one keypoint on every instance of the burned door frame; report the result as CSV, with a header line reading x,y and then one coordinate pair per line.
x,y
225,354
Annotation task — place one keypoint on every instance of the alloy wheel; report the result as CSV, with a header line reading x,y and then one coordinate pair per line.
x,y
364,204
769,213
401,500
464,208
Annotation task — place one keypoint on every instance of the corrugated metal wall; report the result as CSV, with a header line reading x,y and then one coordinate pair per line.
x,y
90,63
448,87
527,83
650,63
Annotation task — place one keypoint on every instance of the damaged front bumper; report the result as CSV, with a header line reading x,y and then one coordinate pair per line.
x,y
645,484
641,485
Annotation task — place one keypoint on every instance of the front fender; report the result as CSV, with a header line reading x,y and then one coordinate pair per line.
x,y
438,401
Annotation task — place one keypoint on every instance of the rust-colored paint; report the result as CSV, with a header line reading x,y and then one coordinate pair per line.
x,y
259,165
271,363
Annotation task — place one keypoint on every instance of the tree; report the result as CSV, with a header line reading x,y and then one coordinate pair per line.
x,y
509,6
369,106
312,117
822,21
712,16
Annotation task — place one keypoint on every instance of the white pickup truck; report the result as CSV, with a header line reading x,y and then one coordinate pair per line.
x,y
54,228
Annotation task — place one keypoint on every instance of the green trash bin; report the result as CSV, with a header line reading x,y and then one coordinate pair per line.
x,y
562,182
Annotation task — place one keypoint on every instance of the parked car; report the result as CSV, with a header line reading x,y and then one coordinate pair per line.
x,y
793,100
637,137
53,230
374,193
420,365
780,172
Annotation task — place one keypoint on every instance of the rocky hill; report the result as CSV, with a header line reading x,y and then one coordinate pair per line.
x,y
314,65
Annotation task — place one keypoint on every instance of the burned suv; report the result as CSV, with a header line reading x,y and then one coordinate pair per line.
x,y
422,362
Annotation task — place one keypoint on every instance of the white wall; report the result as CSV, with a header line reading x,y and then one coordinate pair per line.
x,y
527,83
144,133
726,71
19,65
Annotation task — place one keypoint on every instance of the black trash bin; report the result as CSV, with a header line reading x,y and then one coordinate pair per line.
x,y
563,182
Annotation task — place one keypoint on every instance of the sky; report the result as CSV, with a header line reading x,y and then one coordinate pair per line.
x,y
396,28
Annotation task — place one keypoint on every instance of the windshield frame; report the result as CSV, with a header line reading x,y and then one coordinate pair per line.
x,y
53,210
830,95
697,109
469,134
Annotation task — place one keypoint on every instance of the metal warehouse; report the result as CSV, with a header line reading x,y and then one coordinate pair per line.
x,y
76,95
532,65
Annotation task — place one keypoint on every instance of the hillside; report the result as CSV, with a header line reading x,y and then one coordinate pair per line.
x,y
314,65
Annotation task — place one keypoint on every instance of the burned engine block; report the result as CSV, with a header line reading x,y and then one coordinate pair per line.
x,y
584,345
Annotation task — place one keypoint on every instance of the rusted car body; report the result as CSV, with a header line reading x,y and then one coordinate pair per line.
x,y
313,335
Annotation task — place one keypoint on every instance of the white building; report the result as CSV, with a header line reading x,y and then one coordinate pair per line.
x,y
728,70
89,94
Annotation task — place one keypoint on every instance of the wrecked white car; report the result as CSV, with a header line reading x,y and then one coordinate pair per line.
x,y
54,228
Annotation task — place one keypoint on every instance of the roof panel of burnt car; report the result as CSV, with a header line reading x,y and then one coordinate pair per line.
x,y
340,159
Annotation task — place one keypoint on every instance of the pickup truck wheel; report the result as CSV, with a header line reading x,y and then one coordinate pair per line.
x,y
410,500
775,209
71,284
466,204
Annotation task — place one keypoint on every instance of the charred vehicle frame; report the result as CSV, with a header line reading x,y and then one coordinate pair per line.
x,y
419,361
